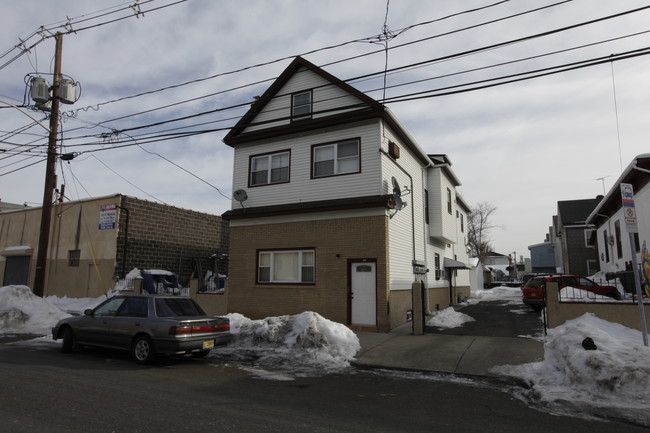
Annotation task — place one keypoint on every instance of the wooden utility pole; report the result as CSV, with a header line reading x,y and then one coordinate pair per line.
x,y
50,176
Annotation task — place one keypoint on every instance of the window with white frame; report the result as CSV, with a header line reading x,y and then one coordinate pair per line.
x,y
589,238
449,201
301,105
269,169
335,158
286,266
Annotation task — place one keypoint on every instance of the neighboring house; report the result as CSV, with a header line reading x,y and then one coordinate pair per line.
x,y
576,236
336,208
542,255
93,241
498,264
613,242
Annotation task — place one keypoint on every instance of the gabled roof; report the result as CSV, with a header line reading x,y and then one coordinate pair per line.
x,y
637,173
368,104
368,108
575,212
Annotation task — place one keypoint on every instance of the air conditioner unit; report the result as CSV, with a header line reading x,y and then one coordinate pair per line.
x,y
40,91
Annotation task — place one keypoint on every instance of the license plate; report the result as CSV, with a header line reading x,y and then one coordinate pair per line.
x,y
208,344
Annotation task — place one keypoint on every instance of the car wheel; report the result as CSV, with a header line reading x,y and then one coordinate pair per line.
x,y
200,354
142,350
68,340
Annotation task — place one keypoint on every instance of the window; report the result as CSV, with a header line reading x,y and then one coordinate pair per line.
x,y
449,201
336,158
426,206
73,257
462,223
592,267
295,266
619,244
606,246
589,238
269,169
134,307
440,273
301,105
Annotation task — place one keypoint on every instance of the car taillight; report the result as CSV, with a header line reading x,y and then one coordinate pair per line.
x,y
198,329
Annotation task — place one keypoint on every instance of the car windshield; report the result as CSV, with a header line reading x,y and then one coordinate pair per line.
x,y
175,307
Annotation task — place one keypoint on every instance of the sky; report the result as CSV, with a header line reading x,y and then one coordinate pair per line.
x,y
521,147
611,381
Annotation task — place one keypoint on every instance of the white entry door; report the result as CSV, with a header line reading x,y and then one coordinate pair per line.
x,y
364,293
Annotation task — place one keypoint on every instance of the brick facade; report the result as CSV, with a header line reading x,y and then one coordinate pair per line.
x,y
166,237
335,241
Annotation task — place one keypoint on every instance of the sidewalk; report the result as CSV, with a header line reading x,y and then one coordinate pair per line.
x,y
464,355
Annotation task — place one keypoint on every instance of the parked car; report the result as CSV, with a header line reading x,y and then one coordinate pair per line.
x,y
534,291
145,325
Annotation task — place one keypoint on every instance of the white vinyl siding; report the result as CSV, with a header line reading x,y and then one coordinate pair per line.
x,y
325,97
406,227
302,188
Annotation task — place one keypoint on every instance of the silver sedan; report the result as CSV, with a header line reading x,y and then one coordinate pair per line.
x,y
145,325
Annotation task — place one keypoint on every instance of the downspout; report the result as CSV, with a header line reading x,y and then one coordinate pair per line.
x,y
126,237
426,291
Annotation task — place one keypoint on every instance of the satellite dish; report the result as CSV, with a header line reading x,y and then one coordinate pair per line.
x,y
397,196
397,191
241,196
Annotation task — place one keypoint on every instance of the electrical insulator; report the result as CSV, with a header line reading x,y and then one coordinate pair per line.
x,y
40,90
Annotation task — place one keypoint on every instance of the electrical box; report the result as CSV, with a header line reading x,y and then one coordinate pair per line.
x,y
40,91
67,91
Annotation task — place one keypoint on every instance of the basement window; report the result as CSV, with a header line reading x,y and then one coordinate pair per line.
x,y
73,257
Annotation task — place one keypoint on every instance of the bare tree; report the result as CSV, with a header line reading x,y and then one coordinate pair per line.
x,y
478,228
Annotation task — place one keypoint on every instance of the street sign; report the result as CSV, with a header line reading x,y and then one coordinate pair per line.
x,y
629,210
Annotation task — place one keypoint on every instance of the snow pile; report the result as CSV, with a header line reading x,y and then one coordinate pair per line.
x,y
305,340
501,293
75,305
448,318
21,311
614,376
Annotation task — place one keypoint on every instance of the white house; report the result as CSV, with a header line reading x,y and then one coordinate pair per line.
x,y
609,217
337,209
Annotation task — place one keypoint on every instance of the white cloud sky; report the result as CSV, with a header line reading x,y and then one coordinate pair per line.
x,y
521,147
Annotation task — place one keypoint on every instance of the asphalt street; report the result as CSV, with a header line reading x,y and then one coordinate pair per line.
x,y
100,391
496,319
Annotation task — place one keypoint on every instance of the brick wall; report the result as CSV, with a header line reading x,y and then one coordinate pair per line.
x,y
335,242
166,237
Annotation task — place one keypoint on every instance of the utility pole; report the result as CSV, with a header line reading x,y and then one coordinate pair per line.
x,y
50,176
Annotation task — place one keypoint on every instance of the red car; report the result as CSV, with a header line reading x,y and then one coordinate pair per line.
x,y
534,290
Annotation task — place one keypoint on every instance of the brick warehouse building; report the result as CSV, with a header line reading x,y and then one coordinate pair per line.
x,y
87,243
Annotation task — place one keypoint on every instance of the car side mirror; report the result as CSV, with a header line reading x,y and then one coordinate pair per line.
x,y
88,312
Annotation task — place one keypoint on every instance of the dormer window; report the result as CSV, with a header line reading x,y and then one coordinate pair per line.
x,y
301,105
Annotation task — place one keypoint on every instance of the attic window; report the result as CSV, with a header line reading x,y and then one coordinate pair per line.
x,y
301,105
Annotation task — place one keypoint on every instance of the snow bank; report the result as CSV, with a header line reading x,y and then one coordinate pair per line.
x,y
614,376
304,340
500,293
449,318
21,311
